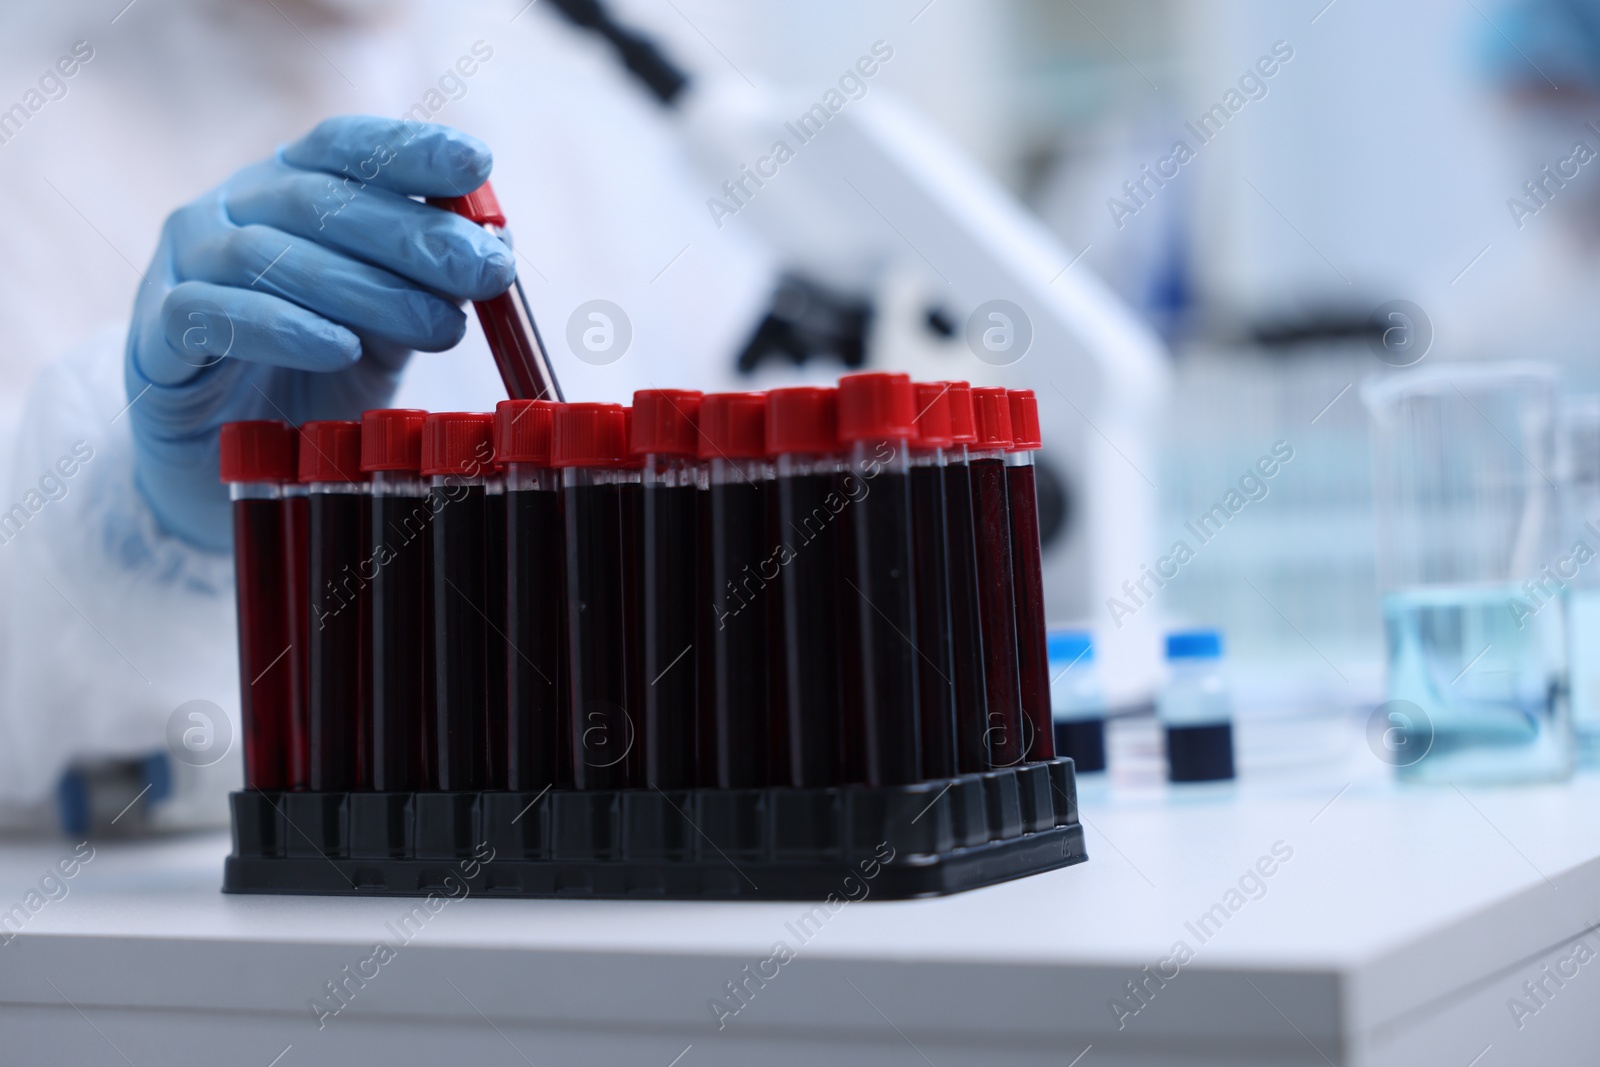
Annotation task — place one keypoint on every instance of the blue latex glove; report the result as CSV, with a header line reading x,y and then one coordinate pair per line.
x,y
297,290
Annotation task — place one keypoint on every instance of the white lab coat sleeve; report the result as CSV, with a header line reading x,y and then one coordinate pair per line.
x,y
109,624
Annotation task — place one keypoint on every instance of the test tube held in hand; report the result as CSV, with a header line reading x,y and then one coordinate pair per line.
x,y
507,320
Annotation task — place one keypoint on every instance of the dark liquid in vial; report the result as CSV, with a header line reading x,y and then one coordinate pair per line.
x,y
336,606
633,624
460,638
399,641
808,636
297,720
737,593
670,553
496,652
882,582
1033,653
997,608
534,618
966,624
603,734
936,678
266,682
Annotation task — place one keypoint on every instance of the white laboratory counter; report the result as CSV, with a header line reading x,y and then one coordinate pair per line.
x,y
1395,927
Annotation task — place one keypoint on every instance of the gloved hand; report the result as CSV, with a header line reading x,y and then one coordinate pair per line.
x,y
296,290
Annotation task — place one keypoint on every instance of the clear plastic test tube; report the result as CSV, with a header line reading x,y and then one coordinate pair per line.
x,y
588,445
536,755
936,693
665,436
991,508
803,440
1027,565
457,453
258,458
735,692
966,617
877,420
399,634
330,469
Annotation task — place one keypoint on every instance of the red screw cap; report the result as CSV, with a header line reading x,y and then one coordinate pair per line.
x,y
260,450
665,422
330,451
391,439
588,435
458,442
803,419
991,409
877,407
934,429
963,424
1025,433
522,431
733,426
480,206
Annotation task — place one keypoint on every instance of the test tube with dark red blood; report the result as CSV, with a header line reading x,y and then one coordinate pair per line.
x,y
735,685
966,619
665,437
877,420
457,454
803,440
399,632
1008,738
535,611
1033,651
589,446
330,469
297,546
936,692
258,458
507,319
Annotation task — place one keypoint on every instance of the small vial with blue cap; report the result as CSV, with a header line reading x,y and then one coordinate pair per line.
x,y
1196,710
1077,703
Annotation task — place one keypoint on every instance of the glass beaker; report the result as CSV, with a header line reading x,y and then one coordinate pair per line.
x,y
1467,515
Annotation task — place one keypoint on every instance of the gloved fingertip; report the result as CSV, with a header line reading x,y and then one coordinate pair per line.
x,y
467,158
496,271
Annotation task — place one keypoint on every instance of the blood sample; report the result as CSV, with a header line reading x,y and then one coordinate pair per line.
x,y
588,444
457,452
257,459
877,416
803,439
496,651
734,689
665,436
1008,744
966,619
297,548
936,692
631,488
1033,640
330,469
398,631
535,611
507,319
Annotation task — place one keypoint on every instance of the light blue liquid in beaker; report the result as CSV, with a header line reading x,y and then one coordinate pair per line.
x,y
1583,644
1486,668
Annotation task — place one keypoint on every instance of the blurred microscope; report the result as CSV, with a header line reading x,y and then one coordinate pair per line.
x,y
899,251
